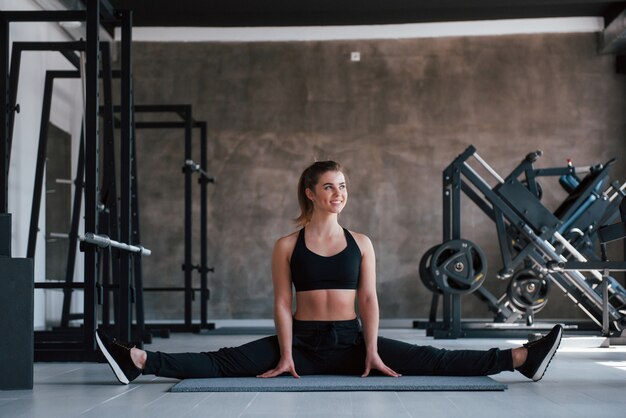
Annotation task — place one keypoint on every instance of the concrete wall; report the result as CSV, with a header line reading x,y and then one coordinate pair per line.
x,y
395,120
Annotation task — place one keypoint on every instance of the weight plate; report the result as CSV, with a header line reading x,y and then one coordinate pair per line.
x,y
458,266
425,274
527,290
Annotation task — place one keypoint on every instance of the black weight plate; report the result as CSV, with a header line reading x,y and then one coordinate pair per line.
x,y
424,271
527,290
458,267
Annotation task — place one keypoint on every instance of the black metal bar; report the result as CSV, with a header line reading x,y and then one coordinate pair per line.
x,y
107,13
105,269
59,285
46,16
170,289
188,218
4,120
449,176
109,182
71,57
434,305
125,177
180,109
40,166
159,125
50,46
14,76
503,239
204,268
91,170
73,238
136,236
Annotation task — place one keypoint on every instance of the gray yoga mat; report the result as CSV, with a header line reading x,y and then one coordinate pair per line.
x,y
338,383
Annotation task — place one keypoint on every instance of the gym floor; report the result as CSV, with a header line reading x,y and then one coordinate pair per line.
x,y
583,380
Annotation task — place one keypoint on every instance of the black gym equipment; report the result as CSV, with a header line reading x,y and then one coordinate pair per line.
x,y
108,261
617,297
528,289
531,239
184,120
108,221
78,345
458,266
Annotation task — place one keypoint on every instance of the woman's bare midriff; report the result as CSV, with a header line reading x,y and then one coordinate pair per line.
x,y
325,305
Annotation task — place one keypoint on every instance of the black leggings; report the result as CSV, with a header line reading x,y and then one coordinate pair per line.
x,y
328,347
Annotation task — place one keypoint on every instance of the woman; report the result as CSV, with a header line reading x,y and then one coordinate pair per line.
x,y
330,268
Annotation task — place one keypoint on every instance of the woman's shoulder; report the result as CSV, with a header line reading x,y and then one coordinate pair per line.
x,y
362,240
287,242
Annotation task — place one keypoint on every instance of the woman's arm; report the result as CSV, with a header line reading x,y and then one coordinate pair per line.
x,y
368,308
281,278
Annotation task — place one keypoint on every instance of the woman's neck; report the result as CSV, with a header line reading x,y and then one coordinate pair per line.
x,y
324,226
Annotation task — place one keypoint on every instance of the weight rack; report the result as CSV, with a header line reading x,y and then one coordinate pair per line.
x,y
80,345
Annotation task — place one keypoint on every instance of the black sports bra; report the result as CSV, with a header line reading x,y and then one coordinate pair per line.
x,y
310,271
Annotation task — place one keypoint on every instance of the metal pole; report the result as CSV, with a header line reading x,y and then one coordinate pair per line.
x,y
188,221
40,167
109,187
71,254
91,170
204,292
137,266
488,167
125,176
103,241
4,120
14,76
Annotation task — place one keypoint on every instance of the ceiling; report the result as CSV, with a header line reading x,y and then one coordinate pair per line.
x,y
235,13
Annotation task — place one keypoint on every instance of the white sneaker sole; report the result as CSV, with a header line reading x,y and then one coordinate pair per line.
x,y
114,366
546,360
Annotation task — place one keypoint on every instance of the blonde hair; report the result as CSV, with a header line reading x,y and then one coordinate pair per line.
x,y
308,179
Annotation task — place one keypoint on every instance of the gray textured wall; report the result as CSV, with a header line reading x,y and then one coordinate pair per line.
x,y
395,120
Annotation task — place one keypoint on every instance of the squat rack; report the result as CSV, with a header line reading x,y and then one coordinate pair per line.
x,y
186,122
97,12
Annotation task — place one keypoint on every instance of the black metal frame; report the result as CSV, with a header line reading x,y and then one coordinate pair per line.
x,y
519,218
108,218
75,346
184,112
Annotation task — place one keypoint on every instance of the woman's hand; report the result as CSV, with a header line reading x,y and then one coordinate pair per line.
x,y
374,362
284,365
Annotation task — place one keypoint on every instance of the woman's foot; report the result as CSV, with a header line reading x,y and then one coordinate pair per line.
x,y
538,354
138,357
519,356
118,355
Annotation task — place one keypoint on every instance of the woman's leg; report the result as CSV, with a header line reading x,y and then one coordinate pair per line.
x,y
410,359
249,359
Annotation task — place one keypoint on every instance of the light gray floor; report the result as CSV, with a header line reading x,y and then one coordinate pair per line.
x,y
582,381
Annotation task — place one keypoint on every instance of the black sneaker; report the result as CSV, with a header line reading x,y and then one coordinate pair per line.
x,y
118,356
540,354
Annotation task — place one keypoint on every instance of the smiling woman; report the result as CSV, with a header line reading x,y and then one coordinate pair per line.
x,y
308,187
332,270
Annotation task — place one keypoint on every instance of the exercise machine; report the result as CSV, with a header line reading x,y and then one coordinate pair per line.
x,y
530,236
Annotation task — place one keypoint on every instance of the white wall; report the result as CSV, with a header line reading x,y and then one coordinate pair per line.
x,y
66,113
399,31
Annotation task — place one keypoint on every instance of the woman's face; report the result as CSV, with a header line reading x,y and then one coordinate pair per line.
x,y
330,193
